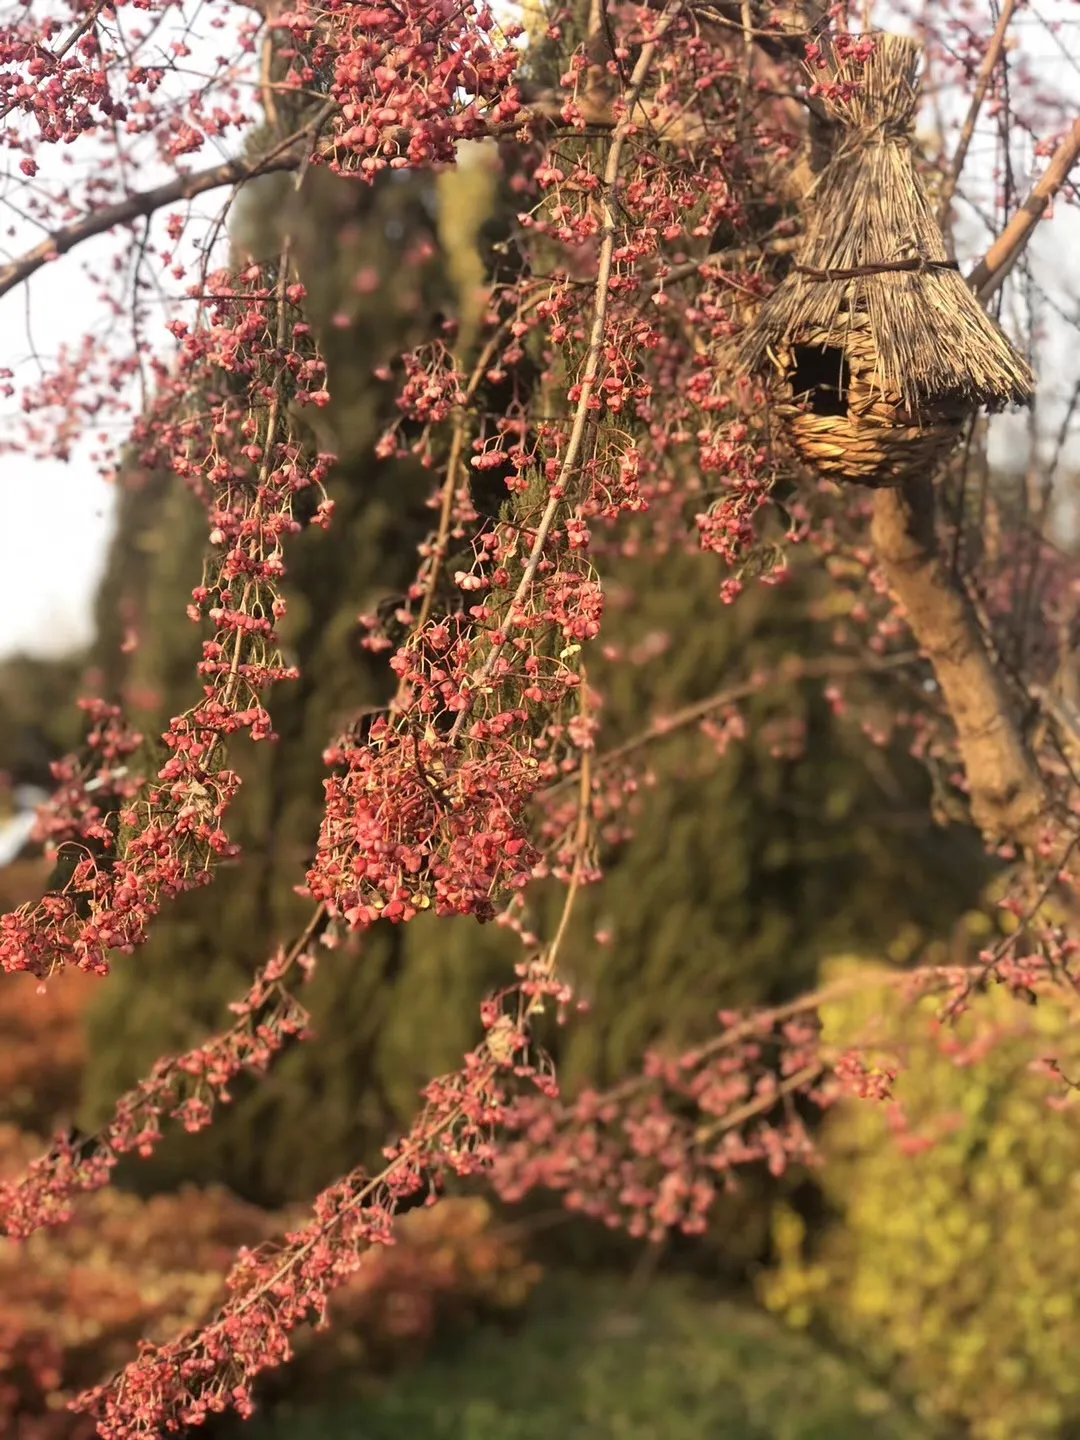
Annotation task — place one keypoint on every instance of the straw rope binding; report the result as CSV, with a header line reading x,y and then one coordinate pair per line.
x,y
884,267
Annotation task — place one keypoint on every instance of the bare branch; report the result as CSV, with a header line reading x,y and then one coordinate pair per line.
x,y
138,206
986,69
790,671
990,273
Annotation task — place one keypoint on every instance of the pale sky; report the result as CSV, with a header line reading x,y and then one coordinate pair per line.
x,y
57,517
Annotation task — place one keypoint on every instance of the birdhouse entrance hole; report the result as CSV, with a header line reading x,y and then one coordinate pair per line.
x,y
821,379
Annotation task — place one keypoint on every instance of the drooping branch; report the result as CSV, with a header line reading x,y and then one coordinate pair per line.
x,y
593,355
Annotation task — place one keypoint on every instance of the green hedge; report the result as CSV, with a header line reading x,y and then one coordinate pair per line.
x,y
604,1362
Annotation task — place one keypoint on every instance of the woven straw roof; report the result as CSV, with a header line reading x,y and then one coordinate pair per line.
x,y
869,206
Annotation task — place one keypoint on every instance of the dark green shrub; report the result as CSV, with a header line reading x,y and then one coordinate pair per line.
x,y
602,1362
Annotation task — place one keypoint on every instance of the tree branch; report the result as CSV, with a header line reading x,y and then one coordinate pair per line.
x,y
990,273
790,671
138,206
993,54
1007,794
285,156
1009,800
672,123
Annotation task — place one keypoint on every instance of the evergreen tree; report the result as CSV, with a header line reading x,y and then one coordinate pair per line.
x,y
38,723
292,1131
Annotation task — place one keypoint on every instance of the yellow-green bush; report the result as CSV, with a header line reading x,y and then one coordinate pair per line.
x,y
955,1266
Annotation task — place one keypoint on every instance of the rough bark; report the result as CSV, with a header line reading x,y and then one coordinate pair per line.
x,y
1007,793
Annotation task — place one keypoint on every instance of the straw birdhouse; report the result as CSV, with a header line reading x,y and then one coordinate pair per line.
x,y
876,348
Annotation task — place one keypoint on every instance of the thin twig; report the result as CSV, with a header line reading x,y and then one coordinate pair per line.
x,y
581,833
782,34
986,69
828,667
786,245
457,448
759,1105
442,535
761,1022
980,972
596,339
147,202
1064,429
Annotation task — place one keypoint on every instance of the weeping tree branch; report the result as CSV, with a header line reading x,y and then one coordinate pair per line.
x,y
1009,800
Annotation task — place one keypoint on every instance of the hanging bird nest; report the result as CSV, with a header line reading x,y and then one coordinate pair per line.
x,y
875,348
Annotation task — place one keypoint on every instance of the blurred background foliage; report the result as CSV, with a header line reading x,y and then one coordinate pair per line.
x,y
600,1361
38,722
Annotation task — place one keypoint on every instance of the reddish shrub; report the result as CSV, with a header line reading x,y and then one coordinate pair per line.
x,y
74,1301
